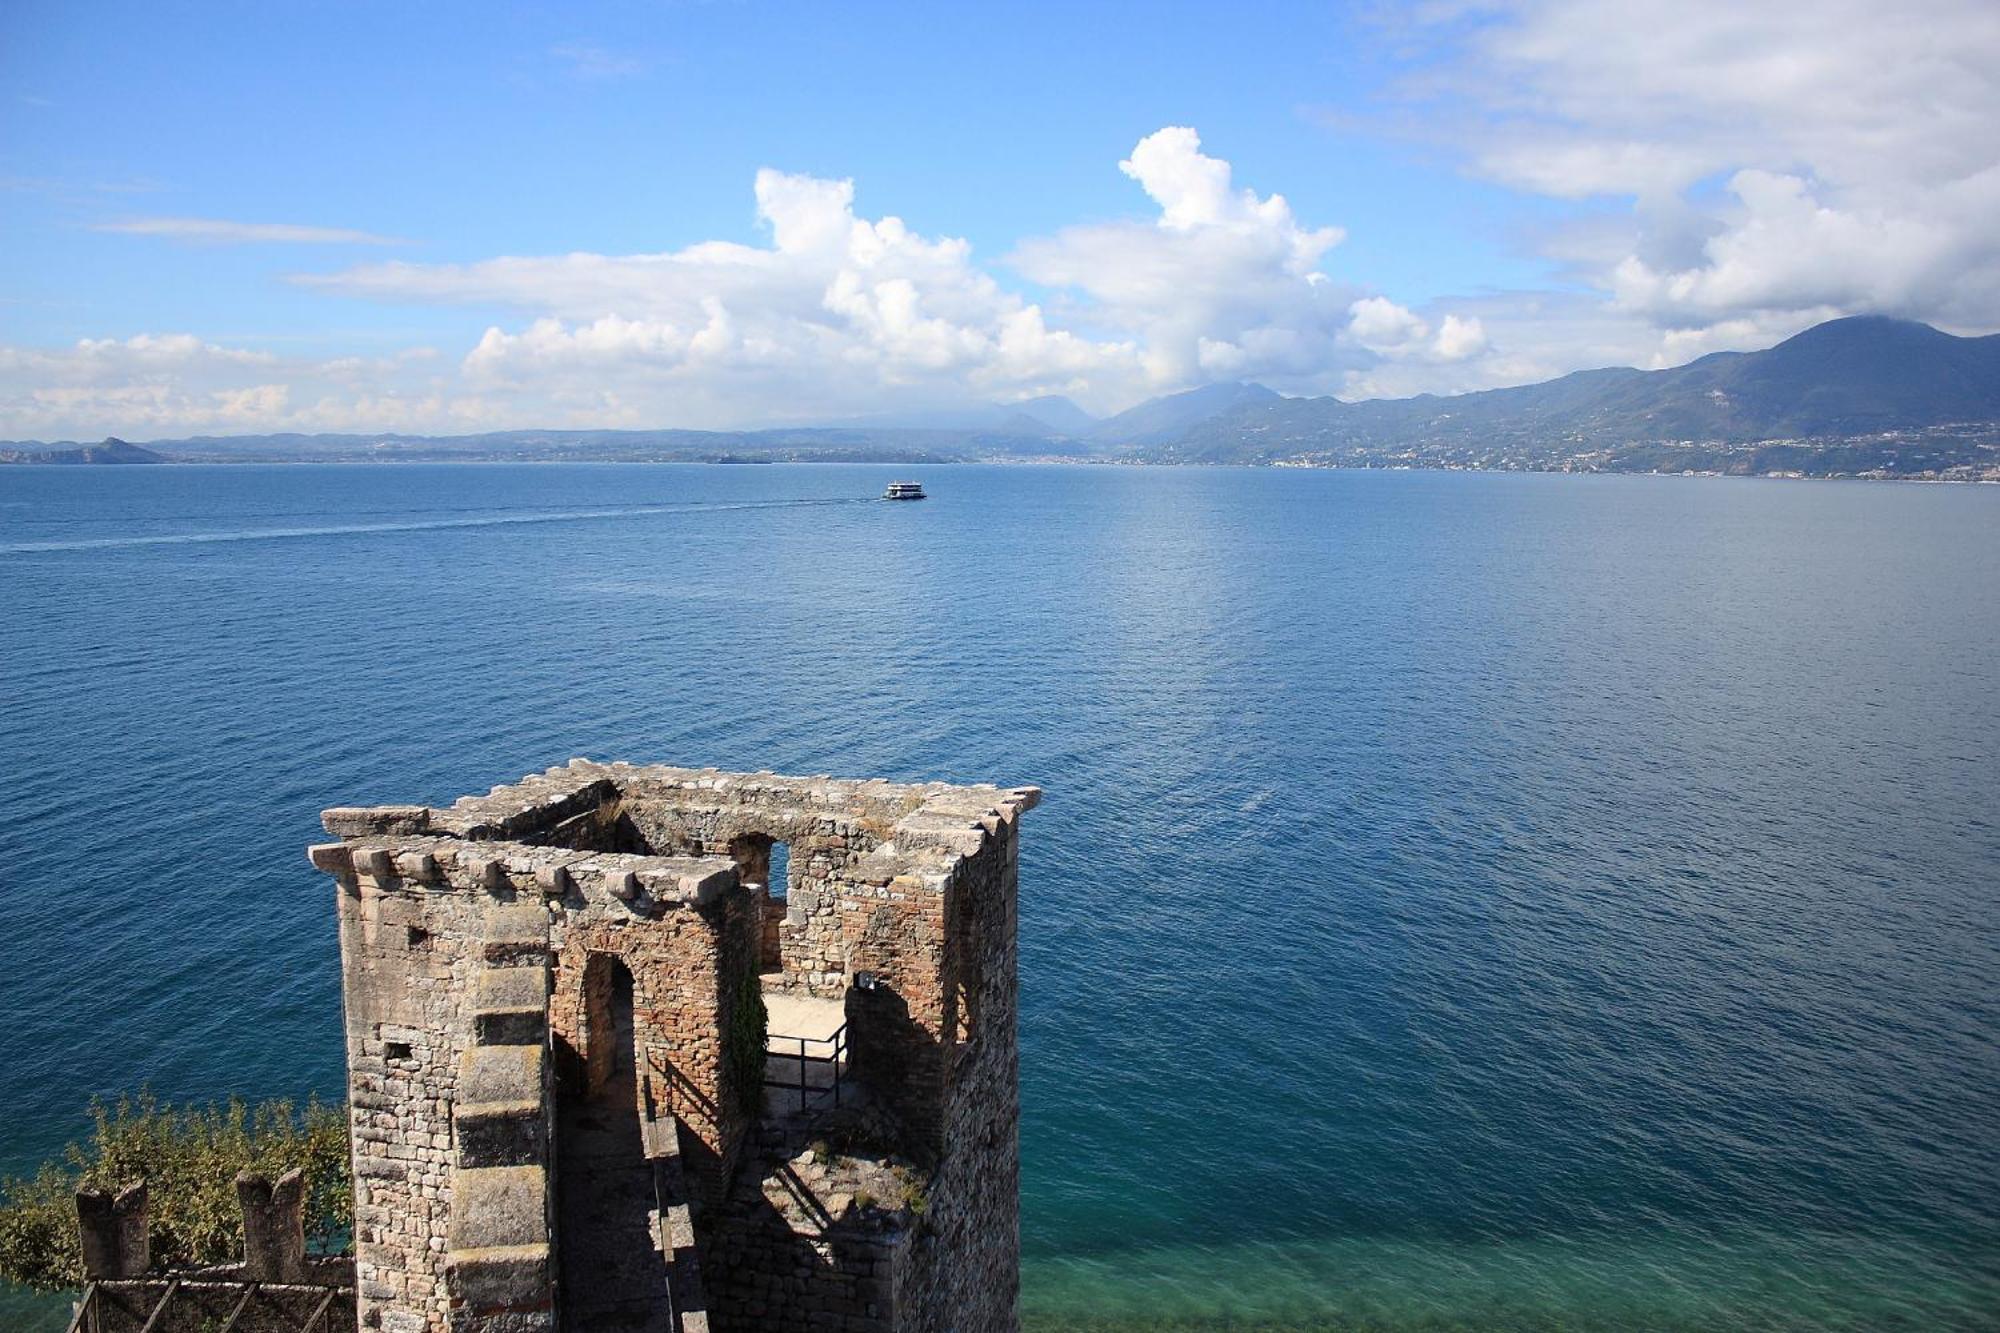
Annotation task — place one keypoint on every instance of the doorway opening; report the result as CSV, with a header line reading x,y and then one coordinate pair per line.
x,y
613,1272
764,867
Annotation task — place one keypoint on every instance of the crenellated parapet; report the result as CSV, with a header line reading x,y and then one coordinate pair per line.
x,y
590,946
277,1287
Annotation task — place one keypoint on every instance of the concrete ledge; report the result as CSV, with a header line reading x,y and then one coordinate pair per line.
x,y
348,821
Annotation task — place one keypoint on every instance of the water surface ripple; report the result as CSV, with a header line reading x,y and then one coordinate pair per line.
x,y
1479,901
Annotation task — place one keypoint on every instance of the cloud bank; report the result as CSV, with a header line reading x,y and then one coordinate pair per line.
x,y
1742,171
836,315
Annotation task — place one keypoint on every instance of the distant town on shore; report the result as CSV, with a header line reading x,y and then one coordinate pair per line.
x,y
1866,396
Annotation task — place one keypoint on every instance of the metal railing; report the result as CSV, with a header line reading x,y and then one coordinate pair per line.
x,y
834,1057
120,1302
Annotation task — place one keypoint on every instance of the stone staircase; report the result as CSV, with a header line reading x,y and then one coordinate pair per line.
x,y
499,1262
498,1257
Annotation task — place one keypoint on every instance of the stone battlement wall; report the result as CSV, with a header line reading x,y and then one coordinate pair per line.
x,y
495,933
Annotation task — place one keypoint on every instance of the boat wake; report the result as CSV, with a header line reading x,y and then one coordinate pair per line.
x,y
489,520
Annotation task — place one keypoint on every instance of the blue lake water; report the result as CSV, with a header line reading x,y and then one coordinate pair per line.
x,y
1460,901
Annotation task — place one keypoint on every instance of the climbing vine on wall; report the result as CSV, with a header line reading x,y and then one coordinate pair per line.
x,y
745,1045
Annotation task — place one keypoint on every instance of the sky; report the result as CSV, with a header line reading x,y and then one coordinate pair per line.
x,y
237,218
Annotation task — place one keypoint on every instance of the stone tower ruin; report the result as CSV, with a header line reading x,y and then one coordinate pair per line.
x,y
608,1071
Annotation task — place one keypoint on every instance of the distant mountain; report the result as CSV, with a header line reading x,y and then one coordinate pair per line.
x,y
1863,396
822,444
1058,413
113,450
1841,380
1051,416
1162,420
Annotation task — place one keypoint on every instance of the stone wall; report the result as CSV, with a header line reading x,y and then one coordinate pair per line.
x,y
790,1254
424,919
406,956
901,899
963,1272
804,944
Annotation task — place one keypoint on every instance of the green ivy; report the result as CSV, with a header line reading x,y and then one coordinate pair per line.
x,y
744,1056
189,1157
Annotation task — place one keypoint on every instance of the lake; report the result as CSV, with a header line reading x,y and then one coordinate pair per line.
x,y
1460,900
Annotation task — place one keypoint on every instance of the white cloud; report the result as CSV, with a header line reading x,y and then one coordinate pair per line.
x,y
835,315
1383,326
1222,283
216,231
150,386
1783,249
840,313
588,60
1399,334
1855,142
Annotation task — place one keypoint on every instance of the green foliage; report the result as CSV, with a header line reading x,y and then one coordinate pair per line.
x,y
913,1191
189,1157
744,1055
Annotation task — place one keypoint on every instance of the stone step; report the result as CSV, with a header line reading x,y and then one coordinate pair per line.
x,y
497,1251
500,1134
512,1278
510,1006
499,1118
499,1208
516,933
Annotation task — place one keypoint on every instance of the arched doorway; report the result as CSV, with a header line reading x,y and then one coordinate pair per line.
x,y
612,1272
607,1023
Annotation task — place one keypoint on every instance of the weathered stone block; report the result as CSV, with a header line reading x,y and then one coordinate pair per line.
x,y
498,1207
501,1277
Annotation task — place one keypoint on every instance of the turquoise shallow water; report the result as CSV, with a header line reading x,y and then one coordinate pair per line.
x,y
1462,901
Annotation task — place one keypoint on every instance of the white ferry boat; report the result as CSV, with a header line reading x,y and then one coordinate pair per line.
x,y
904,490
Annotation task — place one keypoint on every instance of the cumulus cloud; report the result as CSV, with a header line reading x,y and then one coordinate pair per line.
x,y
1399,334
217,231
838,314
1854,142
1223,283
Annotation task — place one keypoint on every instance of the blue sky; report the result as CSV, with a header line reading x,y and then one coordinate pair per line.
x,y
231,217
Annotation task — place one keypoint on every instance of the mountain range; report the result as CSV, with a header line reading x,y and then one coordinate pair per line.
x,y
1862,395
1840,380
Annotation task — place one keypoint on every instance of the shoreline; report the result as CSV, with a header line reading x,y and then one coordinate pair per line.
x,y
1990,478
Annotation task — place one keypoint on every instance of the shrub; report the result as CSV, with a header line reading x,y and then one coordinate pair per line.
x,y
189,1157
913,1191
